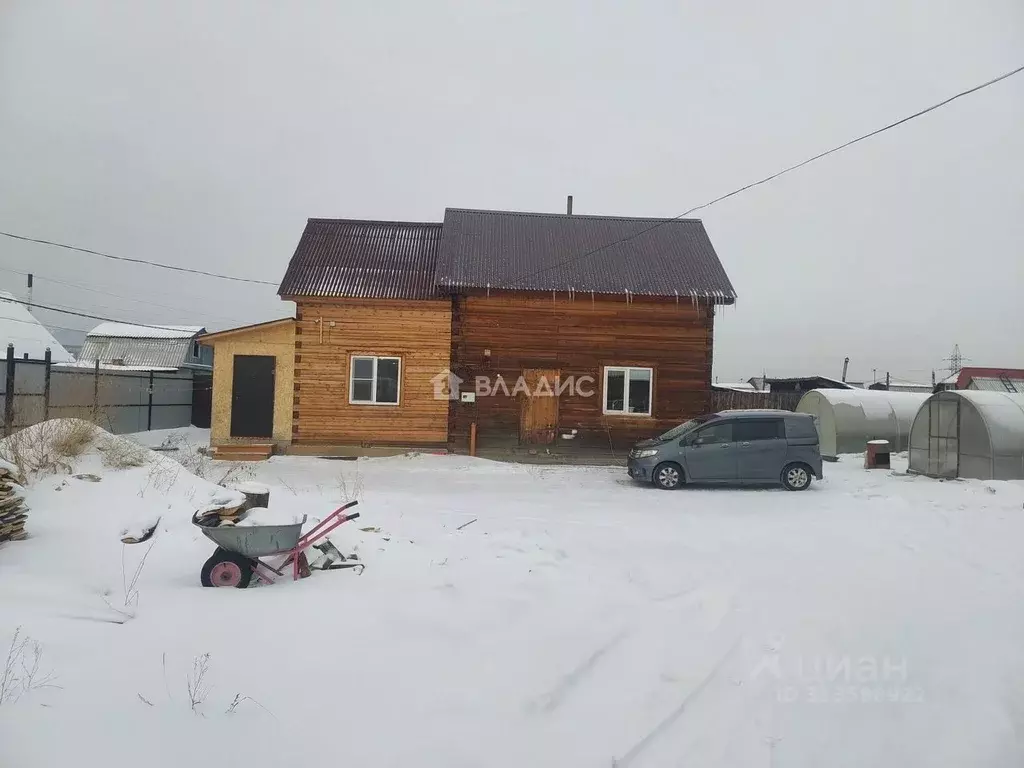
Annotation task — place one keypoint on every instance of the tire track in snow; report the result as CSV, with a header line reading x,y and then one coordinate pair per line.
x,y
675,714
550,701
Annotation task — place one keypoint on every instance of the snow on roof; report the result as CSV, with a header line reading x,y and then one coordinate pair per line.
x,y
91,364
26,333
129,331
739,386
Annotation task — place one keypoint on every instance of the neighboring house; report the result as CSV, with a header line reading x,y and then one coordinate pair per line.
x,y
736,386
253,387
371,333
164,352
615,314
143,347
803,383
30,338
896,385
992,379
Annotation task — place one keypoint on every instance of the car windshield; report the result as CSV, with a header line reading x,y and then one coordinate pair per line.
x,y
683,428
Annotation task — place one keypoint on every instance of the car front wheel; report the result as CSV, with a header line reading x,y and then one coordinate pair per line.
x,y
796,477
668,476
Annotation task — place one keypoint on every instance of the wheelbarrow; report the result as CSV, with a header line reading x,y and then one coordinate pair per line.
x,y
240,549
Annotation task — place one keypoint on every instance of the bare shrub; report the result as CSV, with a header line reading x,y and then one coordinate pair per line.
x,y
350,485
21,673
161,477
238,473
240,699
195,460
122,453
48,446
129,588
198,690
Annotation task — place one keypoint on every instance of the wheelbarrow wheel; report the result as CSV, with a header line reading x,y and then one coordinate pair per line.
x,y
227,569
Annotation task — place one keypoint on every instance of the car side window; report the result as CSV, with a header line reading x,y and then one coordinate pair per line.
x,y
713,434
759,429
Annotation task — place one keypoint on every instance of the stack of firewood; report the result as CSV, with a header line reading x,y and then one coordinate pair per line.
x,y
13,511
228,505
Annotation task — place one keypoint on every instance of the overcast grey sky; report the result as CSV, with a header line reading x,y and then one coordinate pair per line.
x,y
204,132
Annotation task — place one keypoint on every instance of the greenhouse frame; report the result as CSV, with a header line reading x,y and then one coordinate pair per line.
x,y
969,433
848,418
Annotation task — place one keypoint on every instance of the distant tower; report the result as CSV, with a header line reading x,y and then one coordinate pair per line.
x,y
956,360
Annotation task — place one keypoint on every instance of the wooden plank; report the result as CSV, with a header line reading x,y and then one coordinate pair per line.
x,y
580,338
333,331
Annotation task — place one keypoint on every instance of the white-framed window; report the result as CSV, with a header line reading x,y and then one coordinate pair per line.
x,y
374,380
628,390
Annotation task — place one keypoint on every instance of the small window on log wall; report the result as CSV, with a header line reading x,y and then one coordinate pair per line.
x,y
627,390
374,380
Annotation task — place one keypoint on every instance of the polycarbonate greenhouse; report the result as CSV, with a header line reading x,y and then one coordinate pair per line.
x,y
969,433
848,418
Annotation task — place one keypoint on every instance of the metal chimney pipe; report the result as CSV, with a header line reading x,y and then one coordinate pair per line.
x,y
846,364
568,206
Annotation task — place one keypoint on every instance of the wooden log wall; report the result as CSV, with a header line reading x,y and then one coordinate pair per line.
x,y
580,336
419,332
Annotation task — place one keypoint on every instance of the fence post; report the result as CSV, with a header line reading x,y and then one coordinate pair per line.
x,y
9,391
47,358
96,392
149,416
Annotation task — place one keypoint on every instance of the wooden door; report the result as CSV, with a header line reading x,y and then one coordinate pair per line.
x,y
252,396
538,414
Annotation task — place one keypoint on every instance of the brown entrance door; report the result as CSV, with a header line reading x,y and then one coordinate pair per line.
x,y
538,415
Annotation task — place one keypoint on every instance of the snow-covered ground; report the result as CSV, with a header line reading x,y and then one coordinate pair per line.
x,y
875,620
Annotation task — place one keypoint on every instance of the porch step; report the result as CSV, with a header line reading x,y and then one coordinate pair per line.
x,y
243,452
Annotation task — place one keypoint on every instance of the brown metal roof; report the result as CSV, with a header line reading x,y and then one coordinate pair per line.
x,y
603,254
364,259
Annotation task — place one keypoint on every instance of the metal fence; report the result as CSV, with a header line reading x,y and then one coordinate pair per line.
x,y
723,401
118,401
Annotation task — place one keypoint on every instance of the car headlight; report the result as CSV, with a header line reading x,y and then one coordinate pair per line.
x,y
647,453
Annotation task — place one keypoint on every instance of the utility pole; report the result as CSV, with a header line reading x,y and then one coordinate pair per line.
x,y
887,379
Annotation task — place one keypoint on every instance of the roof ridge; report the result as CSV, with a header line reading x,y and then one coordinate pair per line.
x,y
554,215
320,220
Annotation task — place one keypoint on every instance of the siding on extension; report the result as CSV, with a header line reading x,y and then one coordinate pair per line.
x,y
579,337
419,332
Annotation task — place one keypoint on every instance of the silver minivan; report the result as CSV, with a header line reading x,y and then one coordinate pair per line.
x,y
751,447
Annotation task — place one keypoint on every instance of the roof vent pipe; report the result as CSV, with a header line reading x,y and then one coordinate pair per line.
x,y
568,206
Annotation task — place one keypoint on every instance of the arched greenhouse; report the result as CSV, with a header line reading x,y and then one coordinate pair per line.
x,y
848,418
969,433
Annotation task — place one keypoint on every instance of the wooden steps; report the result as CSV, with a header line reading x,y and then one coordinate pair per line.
x,y
243,452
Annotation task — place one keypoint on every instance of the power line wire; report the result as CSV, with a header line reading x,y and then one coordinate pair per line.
x,y
776,175
115,295
31,304
131,260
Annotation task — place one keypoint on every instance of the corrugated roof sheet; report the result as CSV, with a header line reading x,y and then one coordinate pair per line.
x,y
364,259
129,331
603,254
149,353
991,384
